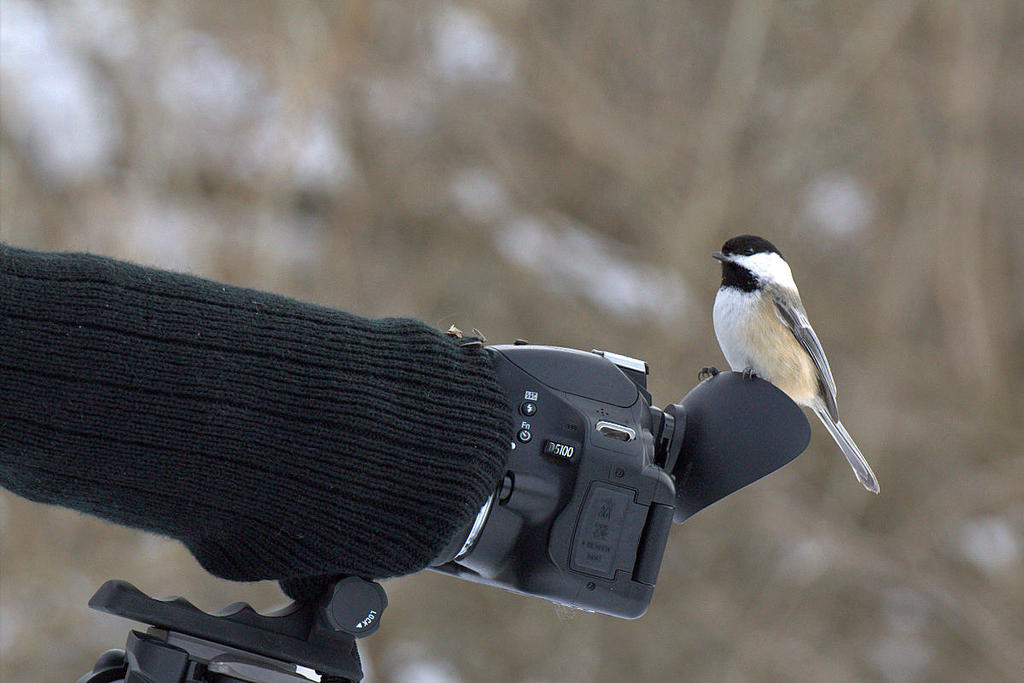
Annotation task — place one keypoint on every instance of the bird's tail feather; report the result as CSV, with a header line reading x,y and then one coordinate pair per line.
x,y
853,455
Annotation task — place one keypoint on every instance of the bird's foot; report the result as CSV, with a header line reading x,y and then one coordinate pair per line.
x,y
707,372
749,374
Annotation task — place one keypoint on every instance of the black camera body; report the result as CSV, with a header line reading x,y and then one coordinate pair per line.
x,y
583,513
597,474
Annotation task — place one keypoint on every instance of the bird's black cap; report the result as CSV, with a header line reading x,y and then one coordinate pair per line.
x,y
735,275
745,245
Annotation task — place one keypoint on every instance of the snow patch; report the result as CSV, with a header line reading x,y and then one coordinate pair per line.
x,y
415,666
171,235
104,28
205,84
240,124
54,102
838,204
901,658
573,260
321,161
221,110
805,561
302,152
424,672
467,48
12,621
186,236
479,194
990,544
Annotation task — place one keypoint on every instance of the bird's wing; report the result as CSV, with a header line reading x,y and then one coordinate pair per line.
x,y
793,316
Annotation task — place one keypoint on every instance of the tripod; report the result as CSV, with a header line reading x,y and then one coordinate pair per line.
x,y
237,644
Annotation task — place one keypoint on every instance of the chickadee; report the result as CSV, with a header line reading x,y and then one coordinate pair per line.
x,y
763,330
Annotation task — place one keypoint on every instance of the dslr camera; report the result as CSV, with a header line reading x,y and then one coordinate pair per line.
x,y
596,476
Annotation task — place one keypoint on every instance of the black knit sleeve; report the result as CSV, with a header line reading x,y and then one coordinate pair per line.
x,y
274,438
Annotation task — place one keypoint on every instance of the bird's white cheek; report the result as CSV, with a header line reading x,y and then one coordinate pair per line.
x,y
768,268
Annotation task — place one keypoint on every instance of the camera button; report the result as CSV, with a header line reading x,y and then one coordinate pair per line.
x,y
524,435
507,484
616,431
528,409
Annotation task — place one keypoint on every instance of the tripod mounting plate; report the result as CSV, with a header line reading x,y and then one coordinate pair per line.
x,y
297,634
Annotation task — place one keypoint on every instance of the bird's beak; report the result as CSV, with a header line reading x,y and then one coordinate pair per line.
x,y
719,256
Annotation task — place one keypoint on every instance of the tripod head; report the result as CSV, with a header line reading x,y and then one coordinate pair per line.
x,y
236,643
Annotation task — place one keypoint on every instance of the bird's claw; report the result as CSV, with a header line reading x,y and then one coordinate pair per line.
x,y
749,374
707,372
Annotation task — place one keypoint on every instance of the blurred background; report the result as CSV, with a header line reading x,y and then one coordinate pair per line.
x,y
561,171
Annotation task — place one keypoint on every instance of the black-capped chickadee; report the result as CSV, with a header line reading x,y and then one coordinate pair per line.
x,y
763,330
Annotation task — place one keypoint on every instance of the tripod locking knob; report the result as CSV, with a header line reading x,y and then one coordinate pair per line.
x,y
355,605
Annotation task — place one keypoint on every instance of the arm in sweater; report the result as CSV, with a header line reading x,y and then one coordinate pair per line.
x,y
275,439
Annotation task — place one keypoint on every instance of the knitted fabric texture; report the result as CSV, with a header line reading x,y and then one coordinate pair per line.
x,y
275,439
